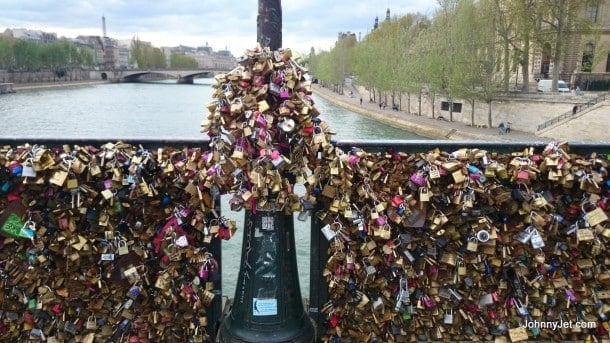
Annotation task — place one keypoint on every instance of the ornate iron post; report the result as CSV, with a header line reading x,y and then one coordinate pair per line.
x,y
267,306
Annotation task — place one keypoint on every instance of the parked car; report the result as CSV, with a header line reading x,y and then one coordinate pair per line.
x,y
546,86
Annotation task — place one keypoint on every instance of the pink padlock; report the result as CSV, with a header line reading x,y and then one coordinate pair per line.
x,y
350,265
261,121
418,179
204,273
275,154
381,220
428,302
353,159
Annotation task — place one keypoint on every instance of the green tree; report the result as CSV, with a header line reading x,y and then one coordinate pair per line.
x,y
26,55
182,61
7,56
146,56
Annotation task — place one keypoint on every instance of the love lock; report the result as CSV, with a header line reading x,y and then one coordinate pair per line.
x,y
483,236
448,317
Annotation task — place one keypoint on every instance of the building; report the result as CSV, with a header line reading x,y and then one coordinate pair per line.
x,y
586,59
33,35
96,44
207,58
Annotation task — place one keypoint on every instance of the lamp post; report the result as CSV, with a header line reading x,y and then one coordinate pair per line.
x,y
267,306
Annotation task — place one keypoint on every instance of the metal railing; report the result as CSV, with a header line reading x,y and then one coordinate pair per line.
x,y
318,288
571,114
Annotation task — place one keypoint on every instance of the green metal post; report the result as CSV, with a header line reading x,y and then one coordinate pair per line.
x,y
267,306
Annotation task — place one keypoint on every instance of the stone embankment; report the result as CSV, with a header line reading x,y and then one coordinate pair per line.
x,y
523,122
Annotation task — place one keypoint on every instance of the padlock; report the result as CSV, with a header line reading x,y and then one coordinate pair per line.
x,y
448,317
525,235
328,232
91,323
472,244
369,269
122,248
536,240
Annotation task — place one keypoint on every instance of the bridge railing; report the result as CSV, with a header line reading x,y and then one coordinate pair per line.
x,y
570,114
318,288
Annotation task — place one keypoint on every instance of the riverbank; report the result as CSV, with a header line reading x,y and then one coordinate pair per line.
x,y
41,85
422,125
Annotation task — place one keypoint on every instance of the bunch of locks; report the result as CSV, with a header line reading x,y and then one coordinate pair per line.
x,y
264,131
465,245
106,244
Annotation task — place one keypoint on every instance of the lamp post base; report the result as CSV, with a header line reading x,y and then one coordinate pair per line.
x,y
267,306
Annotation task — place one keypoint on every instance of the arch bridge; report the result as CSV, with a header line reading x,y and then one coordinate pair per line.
x,y
135,75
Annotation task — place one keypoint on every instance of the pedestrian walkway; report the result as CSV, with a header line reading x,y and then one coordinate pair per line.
x,y
573,130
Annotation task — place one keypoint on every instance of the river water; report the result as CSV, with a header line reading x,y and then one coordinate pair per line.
x,y
164,111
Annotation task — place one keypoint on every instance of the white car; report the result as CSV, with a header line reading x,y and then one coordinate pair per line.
x,y
546,86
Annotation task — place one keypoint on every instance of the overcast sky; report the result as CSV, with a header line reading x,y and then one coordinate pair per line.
x,y
222,24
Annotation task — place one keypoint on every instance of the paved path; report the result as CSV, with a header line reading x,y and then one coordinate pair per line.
x,y
576,130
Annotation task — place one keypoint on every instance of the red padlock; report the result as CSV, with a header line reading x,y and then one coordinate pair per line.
x,y
56,308
333,321
307,130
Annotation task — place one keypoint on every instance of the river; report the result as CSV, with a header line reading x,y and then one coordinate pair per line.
x,y
161,110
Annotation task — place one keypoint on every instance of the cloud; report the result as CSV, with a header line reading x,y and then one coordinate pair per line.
x,y
229,23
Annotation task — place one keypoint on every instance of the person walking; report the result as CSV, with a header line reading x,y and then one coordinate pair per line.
x,y
574,109
360,101
501,128
507,128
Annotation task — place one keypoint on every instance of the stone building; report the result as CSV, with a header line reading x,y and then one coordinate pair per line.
x,y
33,35
586,59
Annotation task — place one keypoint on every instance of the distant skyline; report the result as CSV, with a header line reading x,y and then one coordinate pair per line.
x,y
222,24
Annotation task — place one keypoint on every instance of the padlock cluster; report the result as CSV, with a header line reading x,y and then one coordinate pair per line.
x,y
106,244
465,245
265,134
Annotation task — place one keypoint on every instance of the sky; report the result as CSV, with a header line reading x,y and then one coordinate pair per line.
x,y
226,24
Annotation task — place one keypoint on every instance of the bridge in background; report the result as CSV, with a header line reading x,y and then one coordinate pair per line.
x,y
135,75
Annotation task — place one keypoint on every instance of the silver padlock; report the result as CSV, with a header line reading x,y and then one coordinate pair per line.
x,y
328,232
303,215
486,299
525,235
448,317
409,256
536,240
369,269
457,295
521,309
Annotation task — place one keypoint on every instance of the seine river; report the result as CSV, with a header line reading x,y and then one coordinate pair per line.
x,y
167,111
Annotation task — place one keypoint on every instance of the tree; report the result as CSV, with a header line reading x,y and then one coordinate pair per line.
x,y
560,19
183,61
145,56
7,55
27,57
